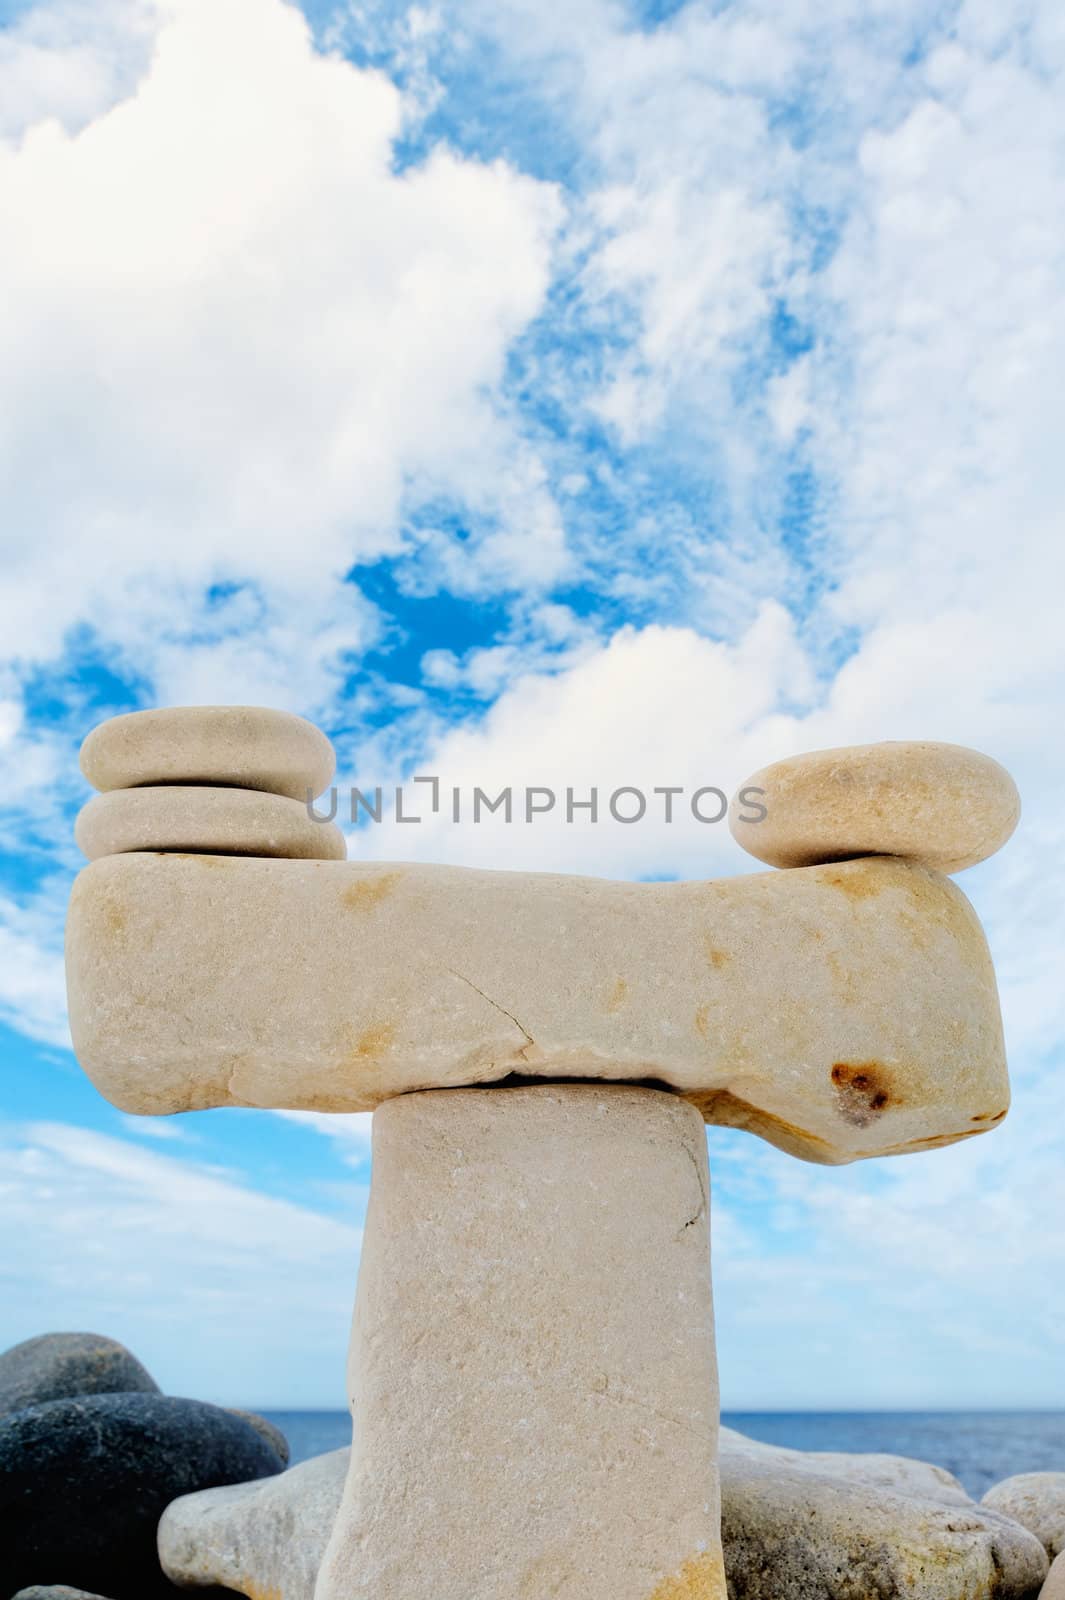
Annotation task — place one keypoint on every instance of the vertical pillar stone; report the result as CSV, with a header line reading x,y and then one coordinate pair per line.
x,y
532,1371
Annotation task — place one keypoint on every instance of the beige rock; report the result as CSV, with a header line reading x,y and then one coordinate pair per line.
x,y
796,1524
245,822
1037,1501
1054,1588
939,804
264,1538
243,747
532,1361
805,1526
839,1011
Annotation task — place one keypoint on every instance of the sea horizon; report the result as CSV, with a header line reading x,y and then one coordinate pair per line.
x,y
979,1446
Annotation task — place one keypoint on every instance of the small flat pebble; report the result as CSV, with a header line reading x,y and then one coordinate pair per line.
x,y
241,747
940,805
205,820
56,1366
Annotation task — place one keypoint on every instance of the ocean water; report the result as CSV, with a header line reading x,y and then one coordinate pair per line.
x,y
979,1447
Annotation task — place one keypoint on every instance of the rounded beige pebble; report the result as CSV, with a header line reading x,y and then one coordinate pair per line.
x,y
938,804
1037,1501
1054,1588
242,747
231,822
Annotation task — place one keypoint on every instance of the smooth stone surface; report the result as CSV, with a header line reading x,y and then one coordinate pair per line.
x,y
83,1483
55,1591
800,1525
1054,1588
236,822
243,747
938,804
1037,1501
54,1366
532,1355
840,1011
266,1430
264,1538
821,1526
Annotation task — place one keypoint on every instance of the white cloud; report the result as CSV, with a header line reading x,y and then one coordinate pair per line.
x,y
224,1293
234,339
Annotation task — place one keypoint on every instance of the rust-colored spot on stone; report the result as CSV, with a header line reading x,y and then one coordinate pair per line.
x,y
860,880
373,1041
367,893
716,958
256,1591
861,1091
618,995
700,1578
114,920
702,1021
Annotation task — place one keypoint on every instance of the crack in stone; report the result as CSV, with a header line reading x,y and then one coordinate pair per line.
x,y
529,1040
704,1198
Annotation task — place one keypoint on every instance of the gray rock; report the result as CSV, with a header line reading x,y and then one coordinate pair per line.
x,y
257,1538
797,1526
1037,1501
55,1591
266,1430
57,1365
83,1483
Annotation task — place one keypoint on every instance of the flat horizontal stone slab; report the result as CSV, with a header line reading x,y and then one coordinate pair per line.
x,y
243,822
939,804
243,747
838,1011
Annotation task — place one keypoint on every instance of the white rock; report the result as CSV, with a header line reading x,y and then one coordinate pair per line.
x,y
264,1538
839,1011
532,1356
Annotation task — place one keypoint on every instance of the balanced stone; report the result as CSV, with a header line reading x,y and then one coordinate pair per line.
x,y
55,1366
938,804
841,1011
796,1526
83,1483
1037,1501
200,819
244,747
532,1363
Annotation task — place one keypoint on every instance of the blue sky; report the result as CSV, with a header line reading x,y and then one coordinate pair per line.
x,y
628,395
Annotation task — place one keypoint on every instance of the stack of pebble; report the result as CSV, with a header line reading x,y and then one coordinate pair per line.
x,y
223,780
91,1454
